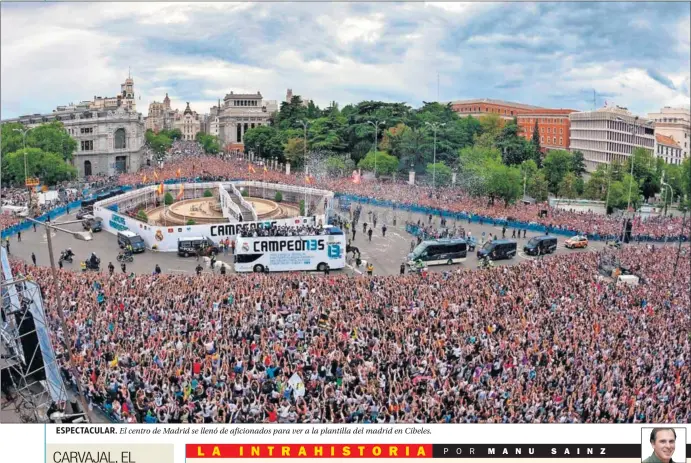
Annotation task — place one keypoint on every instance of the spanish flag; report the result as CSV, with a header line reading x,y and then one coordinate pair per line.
x,y
178,173
251,169
265,169
309,179
144,179
159,190
155,175
181,192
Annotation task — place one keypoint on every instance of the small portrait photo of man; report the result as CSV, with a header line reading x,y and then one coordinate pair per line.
x,y
663,445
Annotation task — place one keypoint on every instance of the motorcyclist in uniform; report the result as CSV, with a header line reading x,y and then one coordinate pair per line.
x,y
94,261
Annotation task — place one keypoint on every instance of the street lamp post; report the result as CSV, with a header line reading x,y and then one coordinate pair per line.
x,y
24,131
435,126
633,147
304,126
376,135
67,341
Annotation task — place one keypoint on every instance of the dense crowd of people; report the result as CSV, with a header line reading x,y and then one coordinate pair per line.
x,y
282,230
448,199
20,197
543,341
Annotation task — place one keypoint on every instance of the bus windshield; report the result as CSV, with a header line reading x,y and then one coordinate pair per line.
x,y
419,249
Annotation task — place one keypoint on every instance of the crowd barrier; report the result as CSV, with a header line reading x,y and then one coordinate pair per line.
x,y
53,214
472,218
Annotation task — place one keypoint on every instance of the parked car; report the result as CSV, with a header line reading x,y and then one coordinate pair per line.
x,y
578,241
95,224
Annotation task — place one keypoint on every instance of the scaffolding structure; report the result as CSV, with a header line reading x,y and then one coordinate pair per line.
x,y
32,383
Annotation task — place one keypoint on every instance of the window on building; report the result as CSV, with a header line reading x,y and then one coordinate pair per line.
x,y
549,130
87,145
120,139
554,140
561,131
561,141
86,130
87,168
542,139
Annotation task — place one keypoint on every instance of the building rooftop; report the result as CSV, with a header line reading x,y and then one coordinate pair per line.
x,y
244,96
665,140
497,102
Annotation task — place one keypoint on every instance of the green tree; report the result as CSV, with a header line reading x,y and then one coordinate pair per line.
x,y
142,215
294,151
168,199
210,143
645,172
52,138
440,173
536,137
335,166
619,193
537,187
50,168
567,187
596,186
385,163
174,134
191,222
556,165
514,148
278,197
504,182
208,193
265,141
686,177
578,163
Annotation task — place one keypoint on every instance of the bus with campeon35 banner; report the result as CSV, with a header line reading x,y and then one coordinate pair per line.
x,y
291,253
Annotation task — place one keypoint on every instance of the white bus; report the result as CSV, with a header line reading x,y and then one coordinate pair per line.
x,y
291,253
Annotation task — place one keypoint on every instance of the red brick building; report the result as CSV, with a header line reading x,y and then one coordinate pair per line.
x,y
553,124
482,107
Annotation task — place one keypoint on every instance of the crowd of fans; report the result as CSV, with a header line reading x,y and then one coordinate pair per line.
x,y
402,194
20,197
282,230
543,341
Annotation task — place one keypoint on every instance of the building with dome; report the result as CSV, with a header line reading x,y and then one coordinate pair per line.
x,y
188,122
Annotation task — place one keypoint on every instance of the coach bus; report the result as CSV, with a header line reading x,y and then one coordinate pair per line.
x,y
291,253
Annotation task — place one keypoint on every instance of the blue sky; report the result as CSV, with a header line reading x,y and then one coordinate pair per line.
x,y
546,54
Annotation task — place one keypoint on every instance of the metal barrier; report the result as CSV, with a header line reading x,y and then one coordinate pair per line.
x,y
535,227
53,214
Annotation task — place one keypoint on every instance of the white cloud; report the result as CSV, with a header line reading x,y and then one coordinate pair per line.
x,y
58,53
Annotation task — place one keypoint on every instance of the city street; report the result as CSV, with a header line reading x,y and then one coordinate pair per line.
x,y
385,252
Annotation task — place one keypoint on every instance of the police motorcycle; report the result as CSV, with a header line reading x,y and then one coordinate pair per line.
x,y
92,263
485,263
66,256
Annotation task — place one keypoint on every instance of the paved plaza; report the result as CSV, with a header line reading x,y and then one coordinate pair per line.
x,y
386,253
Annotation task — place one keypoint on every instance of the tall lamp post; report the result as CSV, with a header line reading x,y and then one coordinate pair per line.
x,y
633,147
375,124
82,236
304,126
24,131
435,126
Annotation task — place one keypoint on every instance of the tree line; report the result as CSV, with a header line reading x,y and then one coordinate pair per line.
x,y
489,155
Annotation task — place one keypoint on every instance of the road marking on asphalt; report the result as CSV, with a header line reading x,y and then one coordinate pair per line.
x,y
354,269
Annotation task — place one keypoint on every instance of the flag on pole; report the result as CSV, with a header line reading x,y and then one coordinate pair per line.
x,y
309,179
178,173
144,179
155,175
251,169
159,190
265,169
181,192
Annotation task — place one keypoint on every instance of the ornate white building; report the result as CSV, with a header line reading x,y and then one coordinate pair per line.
x,y
188,123
110,136
239,113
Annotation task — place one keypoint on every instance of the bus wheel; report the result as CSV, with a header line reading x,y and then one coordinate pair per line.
x,y
258,268
187,254
449,262
321,267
